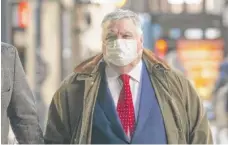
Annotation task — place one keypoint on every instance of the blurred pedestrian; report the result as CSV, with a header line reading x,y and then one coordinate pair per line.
x,y
126,95
17,101
221,85
220,98
221,111
223,75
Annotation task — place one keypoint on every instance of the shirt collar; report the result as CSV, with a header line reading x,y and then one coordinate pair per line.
x,y
135,73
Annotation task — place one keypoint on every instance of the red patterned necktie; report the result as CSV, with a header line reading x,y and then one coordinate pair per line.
x,y
125,107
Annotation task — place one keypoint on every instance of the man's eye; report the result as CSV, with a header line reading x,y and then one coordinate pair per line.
x,y
127,36
110,37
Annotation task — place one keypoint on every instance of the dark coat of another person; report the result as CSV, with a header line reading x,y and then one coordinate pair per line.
x,y
17,100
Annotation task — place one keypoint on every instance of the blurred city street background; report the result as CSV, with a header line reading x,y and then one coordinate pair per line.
x,y
53,36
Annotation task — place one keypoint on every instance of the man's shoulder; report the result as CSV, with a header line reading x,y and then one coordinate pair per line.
x,y
86,68
178,83
159,65
176,75
6,45
7,48
8,55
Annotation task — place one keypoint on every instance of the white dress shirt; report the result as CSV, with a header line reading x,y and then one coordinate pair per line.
x,y
115,84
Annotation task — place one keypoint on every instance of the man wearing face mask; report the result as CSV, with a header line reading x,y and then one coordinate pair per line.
x,y
126,95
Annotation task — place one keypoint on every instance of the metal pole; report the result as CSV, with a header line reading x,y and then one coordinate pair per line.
x,y
6,22
37,48
40,65
204,7
225,27
62,42
65,37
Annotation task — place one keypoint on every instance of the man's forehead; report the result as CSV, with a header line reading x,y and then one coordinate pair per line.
x,y
123,25
110,31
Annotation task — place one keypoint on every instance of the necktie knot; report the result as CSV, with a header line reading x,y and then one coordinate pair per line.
x,y
125,78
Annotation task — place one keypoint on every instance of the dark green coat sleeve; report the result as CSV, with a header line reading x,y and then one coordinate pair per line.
x,y
57,130
200,132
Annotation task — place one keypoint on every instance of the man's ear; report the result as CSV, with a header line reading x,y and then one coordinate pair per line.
x,y
140,43
103,48
141,39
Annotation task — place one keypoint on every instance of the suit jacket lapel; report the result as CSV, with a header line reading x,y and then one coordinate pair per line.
x,y
107,104
145,103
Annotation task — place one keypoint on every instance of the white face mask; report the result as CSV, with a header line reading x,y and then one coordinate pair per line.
x,y
121,52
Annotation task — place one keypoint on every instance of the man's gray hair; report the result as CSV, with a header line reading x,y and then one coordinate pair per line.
x,y
122,14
